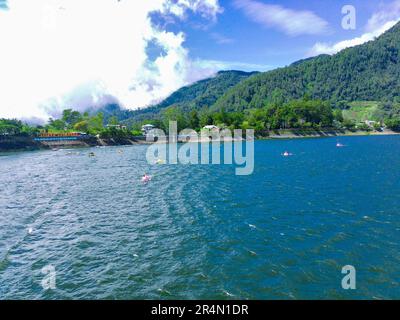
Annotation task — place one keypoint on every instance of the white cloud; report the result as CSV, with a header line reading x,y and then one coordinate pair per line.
x,y
379,23
216,65
221,39
207,8
387,13
326,48
290,21
71,53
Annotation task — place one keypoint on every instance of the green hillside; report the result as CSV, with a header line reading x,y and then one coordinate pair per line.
x,y
369,72
201,94
359,111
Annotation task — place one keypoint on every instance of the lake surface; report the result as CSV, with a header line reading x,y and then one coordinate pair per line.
x,y
199,231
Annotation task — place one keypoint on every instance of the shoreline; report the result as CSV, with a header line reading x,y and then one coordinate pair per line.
x,y
27,144
326,134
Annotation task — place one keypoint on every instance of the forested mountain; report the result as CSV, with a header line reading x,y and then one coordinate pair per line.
x,y
367,72
201,94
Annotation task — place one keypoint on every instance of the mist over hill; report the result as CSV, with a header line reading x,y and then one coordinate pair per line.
x,y
196,96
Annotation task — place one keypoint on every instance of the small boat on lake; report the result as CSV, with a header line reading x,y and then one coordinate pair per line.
x,y
146,178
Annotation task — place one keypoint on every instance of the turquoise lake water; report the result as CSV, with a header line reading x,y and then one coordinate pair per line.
x,y
200,232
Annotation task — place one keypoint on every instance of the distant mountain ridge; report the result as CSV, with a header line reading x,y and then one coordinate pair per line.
x,y
367,72
203,93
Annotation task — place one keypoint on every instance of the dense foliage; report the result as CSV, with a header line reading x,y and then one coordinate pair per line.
x,y
390,113
197,96
13,127
296,114
71,121
367,72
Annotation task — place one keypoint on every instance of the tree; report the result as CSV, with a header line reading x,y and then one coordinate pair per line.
x,y
377,126
10,127
29,130
349,124
194,121
13,127
364,127
114,133
338,115
236,119
393,124
113,121
205,119
57,125
174,114
71,117
82,126
221,118
96,123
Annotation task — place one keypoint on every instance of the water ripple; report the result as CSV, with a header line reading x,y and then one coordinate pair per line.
x,y
200,232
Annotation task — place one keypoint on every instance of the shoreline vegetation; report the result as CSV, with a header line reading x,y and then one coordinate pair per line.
x,y
20,144
302,118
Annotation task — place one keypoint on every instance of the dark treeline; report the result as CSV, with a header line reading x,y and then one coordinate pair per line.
x,y
301,114
71,121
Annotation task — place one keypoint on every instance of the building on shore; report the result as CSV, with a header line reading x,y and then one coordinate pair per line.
x,y
147,128
116,126
370,123
211,128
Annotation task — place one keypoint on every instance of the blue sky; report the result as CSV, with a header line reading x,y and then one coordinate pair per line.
x,y
235,37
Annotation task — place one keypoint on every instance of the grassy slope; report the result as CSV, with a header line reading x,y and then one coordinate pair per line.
x,y
361,110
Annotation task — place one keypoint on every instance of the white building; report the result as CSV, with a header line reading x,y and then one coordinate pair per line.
x,y
211,128
147,128
370,123
116,126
